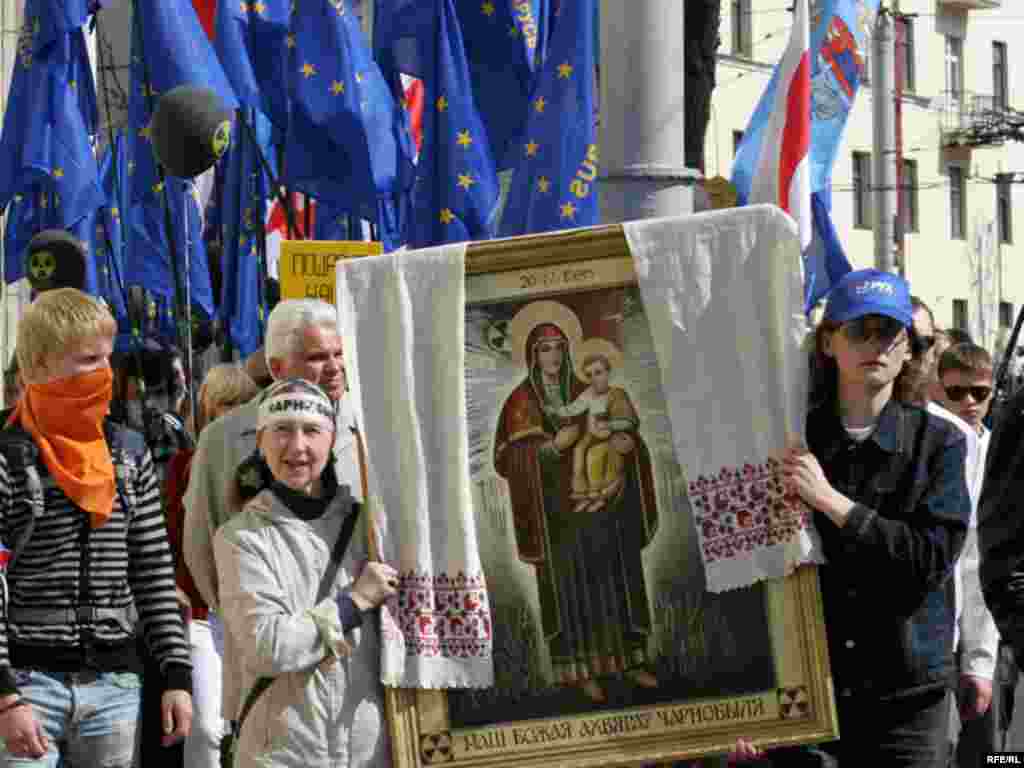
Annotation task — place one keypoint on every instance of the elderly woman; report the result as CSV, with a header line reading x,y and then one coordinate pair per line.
x,y
295,591
226,386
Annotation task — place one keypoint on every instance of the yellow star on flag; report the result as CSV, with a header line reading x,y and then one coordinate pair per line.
x,y
359,77
442,103
464,139
466,181
531,148
512,31
241,239
58,173
337,87
308,70
73,84
543,184
568,210
115,213
259,7
158,187
564,70
539,104
487,8
144,132
290,41
447,217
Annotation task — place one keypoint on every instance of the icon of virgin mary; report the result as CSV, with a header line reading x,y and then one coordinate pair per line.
x,y
594,609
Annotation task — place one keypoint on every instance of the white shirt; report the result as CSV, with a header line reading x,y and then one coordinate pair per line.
x,y
975,630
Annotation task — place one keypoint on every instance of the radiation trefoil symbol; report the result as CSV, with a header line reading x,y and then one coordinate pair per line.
x,y
42,265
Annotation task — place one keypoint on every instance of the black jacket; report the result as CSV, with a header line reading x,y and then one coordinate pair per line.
x,y
887,587
1001,524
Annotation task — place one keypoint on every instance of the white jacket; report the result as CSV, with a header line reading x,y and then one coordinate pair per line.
x,y
326,704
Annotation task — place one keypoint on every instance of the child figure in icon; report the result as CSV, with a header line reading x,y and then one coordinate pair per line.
x,y
598,468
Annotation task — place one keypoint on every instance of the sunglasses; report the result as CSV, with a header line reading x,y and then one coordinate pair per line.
x,y
956,393
864,329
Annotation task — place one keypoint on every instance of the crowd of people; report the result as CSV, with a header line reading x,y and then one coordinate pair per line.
x,y
196,589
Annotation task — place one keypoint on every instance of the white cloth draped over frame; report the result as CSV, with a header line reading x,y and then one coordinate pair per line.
x,y
402,318
723,292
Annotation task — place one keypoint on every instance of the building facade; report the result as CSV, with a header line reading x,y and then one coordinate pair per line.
x,y
963,172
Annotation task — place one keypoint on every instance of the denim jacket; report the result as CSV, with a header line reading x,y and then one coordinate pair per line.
x,y
887,588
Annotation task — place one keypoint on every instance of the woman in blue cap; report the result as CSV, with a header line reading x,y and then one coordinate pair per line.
x,y
886,482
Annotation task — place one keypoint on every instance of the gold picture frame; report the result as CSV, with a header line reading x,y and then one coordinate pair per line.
x,y
704,647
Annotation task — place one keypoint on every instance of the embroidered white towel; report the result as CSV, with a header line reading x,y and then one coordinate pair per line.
x,y
402,319
724,293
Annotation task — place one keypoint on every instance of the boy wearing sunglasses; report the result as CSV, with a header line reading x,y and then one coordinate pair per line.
x,y
965,375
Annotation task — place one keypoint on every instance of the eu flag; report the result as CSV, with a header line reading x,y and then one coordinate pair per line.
x,y
348,140
25,217
252,42
148,259
45,142
55,18
555,181
455,194
107,239
505,45
169,48
243,208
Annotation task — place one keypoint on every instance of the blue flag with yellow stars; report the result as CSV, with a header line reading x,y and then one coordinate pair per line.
x,y
243,210
504,47
53,18
555,181
45,144
107,239
252,42
169,48
148,260
455,195
348,139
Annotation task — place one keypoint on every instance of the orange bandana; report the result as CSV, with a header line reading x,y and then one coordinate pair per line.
x,y
65,419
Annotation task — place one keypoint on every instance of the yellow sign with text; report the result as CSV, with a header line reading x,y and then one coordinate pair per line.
x,y
306,267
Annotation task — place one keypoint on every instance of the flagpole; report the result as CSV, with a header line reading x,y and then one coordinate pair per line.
x,y
884,141
179,303
187,190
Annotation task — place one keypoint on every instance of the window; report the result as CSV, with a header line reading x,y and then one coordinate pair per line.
x,y
906,53
955,67
1004,207
908,196
1005,314
1000,85
957,204
960,314
741,28
862,190
737,139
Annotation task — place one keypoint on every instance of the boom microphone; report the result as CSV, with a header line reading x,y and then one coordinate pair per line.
x,y
190,130
55,258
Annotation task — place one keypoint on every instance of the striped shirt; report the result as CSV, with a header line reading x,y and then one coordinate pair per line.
x,y
128,564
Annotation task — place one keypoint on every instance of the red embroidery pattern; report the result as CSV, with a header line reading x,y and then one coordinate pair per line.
x,y
740,510
442,616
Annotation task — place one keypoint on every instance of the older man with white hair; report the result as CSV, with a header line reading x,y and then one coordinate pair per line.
x,y
302,341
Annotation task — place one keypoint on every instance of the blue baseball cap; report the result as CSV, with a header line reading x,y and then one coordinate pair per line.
x,y
870,292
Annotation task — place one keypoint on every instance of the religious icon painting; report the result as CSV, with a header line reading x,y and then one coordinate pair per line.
x,y
608,648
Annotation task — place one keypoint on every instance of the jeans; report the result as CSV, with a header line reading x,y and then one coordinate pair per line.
x,y
89,724
202,747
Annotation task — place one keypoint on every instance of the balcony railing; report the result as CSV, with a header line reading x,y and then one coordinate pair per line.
x,y
974,5
977,119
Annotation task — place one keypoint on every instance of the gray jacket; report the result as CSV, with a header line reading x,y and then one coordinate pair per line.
x,y
326,704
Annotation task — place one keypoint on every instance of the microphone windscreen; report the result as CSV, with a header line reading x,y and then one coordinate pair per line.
x,y
190,130
55,259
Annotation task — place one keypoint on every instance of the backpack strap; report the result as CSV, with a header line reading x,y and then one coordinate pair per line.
x,y
22,454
